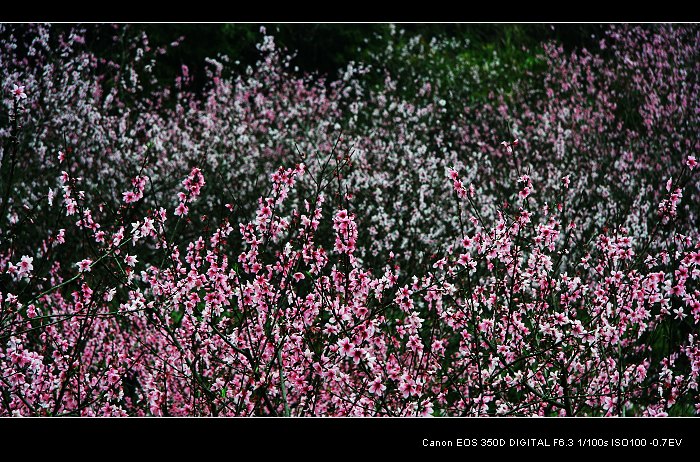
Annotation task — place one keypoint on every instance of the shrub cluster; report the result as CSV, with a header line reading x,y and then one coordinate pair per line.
x,y
411,237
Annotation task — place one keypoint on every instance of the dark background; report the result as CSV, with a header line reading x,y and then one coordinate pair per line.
x,y
324,48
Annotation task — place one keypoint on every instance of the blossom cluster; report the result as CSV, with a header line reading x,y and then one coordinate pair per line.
x,y
285,244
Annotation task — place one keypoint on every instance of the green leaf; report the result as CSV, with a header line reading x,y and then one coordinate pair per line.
x,y
177,316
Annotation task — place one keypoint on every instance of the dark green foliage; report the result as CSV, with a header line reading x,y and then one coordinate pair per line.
x,y
324,48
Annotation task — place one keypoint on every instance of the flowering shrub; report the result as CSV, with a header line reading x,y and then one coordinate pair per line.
x,y
280,244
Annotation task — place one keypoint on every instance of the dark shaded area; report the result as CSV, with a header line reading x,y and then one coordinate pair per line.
x,y
324,48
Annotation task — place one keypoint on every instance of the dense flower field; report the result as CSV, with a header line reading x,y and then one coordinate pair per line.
x,y
394,241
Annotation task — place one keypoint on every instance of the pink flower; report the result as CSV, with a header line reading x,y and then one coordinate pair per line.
x,y
415,344
131,196
464,259
181,209
407,388
84,265
641,372
524,193
377,387
18,92
691,162
25,266
357,355
346,348
130,260
509,148
113,376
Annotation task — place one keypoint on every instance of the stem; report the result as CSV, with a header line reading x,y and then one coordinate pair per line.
x,y
283,388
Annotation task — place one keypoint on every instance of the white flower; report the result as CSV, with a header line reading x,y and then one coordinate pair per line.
x,y
18,92
109,296
25,266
